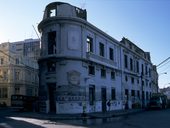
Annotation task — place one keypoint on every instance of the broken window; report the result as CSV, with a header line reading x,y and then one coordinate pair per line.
x,y
101,48
89,44
91,70
52,12
52,42
133,93
51,66
111,54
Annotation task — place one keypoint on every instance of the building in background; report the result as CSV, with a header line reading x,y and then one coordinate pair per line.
x,y
18,73
28,48
82,68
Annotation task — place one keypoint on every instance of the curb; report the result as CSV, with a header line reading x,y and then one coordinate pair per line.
x,y
80,117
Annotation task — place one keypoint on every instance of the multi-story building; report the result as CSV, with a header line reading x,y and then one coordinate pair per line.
x,y
137,71
18,74
28,48
82,67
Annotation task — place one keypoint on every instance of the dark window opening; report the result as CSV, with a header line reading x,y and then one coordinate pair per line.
x,y
101,47
146,70
132,80
126,78
112,75
103,73
127,94
138,93
137,66
52,42
51,66
133,92
113,94
89,44
131,64
111,54
91,70
142,70
91,94
126,61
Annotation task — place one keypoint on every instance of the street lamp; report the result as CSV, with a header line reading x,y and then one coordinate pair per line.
x,y
162,73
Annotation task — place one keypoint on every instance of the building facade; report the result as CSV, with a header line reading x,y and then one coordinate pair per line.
x,y
18,74
81,66
139,75
29,48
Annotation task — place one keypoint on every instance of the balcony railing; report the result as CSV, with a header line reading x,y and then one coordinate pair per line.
x,y
100,59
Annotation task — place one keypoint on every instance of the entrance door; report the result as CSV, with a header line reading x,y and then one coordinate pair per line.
x,y
103,97
51,94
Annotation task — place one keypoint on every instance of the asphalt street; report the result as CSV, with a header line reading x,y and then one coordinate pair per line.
x,y
146,119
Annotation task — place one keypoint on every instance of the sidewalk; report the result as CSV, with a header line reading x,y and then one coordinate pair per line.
x,y
94,115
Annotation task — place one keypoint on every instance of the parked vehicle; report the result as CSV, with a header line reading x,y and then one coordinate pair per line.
x,y
158,100
22,102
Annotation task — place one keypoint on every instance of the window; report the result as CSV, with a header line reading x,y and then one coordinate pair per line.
x,y
52,12
111,54
91,94
132,80
113,94
89,44
51,66
143,83
147,96
146,70
5,75
91,70
138,93
3,93
132,92
17,90
101,49
112,75
103,73
142,70
17,61
127,94
52,42
17,75
2,61
137,66
126,78
149,72
131,64
126,61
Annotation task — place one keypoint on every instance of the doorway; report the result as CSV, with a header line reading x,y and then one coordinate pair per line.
x,y
103,97
52,95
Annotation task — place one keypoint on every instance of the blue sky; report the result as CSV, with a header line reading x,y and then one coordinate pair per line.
x,y
144,22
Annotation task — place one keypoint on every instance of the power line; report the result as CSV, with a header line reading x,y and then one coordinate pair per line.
x,y
162,62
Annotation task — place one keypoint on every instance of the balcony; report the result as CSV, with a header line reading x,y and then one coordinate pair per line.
x,y
101,60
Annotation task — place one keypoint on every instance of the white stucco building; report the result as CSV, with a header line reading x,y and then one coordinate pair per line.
x,y
81,67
